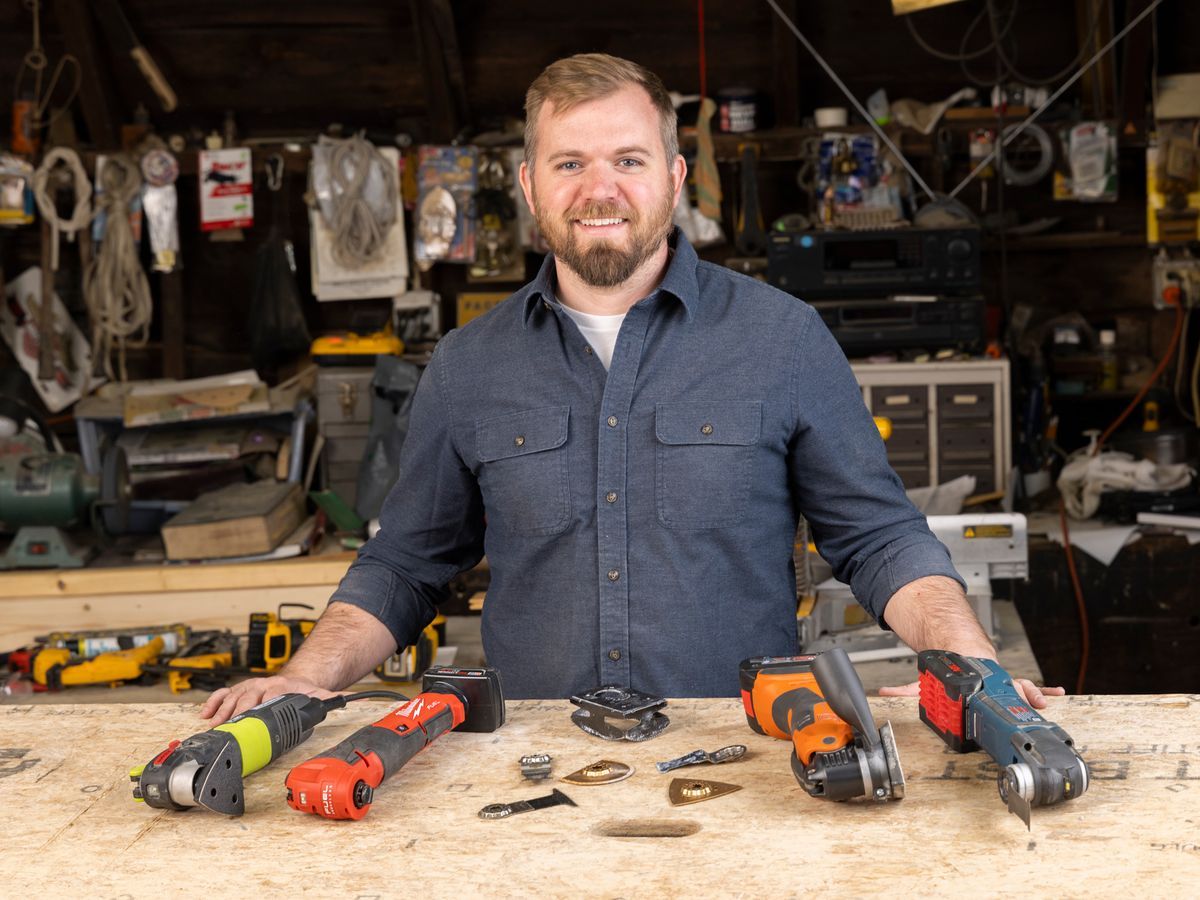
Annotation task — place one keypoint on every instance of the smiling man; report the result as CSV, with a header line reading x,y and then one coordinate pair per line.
x,y
631,439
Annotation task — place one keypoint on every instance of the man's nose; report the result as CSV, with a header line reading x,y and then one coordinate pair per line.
x,y
600,183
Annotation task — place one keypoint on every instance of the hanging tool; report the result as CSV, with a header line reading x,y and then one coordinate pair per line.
x,y
818,703
30,106
972,703
340,783
732,753
113,16
504,810
207,769
750,236
598,705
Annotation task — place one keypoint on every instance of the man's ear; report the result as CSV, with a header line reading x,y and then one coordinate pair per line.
x,y
526,180
678,175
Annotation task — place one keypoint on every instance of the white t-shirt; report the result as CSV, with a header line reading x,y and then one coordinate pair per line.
x,y
599,331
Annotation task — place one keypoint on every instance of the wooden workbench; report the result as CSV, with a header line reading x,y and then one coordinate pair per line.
x,y
72,825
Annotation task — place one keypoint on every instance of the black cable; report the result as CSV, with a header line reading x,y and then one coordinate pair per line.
x,y
999,33
364,695
340,700
1084,48
961,54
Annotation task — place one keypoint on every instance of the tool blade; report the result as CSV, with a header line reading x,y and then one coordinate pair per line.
x,y
603,772
895,773
683,791
219,787
1019,806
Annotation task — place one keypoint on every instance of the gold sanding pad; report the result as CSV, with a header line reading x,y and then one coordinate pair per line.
x,y
683,791
603,772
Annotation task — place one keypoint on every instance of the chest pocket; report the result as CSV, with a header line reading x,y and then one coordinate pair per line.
x,y
703,460
523,476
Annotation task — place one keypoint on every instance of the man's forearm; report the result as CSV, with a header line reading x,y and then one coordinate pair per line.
x,y
345,645
933,613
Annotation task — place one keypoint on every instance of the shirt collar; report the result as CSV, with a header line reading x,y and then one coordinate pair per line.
x,y
679,280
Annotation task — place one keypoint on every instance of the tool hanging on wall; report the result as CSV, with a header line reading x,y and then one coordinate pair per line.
x,y
750,236
113,16
115,285
46,183
30,105
278,332
161,205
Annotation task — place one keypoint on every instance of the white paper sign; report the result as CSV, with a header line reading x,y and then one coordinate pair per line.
x,y
226,189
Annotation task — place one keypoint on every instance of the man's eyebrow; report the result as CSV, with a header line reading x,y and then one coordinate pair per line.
x,y
620,151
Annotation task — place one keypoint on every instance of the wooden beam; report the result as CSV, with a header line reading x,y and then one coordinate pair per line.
x,y
1098,85
441,67
1134,73
173,343
326,569
785,67
96,95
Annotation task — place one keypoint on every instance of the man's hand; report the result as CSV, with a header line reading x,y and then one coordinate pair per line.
x,y
222,705
1035,696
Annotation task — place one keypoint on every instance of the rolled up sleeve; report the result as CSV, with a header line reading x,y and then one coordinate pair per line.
x,y
431,524
862,522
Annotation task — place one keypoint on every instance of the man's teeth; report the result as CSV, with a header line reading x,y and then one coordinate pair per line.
x,y
594,222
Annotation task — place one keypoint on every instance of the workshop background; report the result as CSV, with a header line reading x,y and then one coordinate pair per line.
x,y
287,204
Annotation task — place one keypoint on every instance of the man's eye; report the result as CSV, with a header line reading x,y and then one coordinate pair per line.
x,y
569,166
628,163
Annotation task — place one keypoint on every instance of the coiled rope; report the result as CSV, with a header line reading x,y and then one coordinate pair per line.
x,y
115,285
81,216
360,228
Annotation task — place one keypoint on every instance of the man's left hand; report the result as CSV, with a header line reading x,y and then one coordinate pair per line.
x,y
1035,696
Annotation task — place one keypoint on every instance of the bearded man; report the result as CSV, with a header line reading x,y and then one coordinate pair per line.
x,y
630,438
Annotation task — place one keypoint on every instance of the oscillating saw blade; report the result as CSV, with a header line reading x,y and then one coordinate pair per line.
x,y
896,774
219,786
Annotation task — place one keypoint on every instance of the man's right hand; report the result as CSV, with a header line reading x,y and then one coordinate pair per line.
x,y
222,705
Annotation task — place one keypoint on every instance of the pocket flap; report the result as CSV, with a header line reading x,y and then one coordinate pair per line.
x,y
736,422
520,433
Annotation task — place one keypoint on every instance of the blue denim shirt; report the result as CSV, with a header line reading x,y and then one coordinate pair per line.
x,y
639,522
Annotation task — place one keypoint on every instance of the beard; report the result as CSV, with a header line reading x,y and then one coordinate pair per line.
x,y
596,261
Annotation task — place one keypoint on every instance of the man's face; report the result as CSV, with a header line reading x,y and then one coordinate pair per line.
x,y
601,187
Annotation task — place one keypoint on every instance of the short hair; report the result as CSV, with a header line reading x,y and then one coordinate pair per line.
x,y
592,76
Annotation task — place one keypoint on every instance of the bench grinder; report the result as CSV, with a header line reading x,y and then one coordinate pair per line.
x,y
42,493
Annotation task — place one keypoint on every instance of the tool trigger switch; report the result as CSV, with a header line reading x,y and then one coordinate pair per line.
x,y
158,760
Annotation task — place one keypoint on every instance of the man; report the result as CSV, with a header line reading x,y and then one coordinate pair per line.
x,y
641,431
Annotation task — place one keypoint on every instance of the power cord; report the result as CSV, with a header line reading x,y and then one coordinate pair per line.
x,y
1084,628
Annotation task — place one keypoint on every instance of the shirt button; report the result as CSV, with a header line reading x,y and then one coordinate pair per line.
x,y
519,440
612,421
706,428
547,305
614,655
613,574
611,496
587,349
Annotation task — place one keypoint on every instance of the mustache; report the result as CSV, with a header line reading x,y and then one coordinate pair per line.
x,y
601,211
